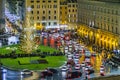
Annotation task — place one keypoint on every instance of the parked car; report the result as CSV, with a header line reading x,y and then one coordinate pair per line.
x,y
26,72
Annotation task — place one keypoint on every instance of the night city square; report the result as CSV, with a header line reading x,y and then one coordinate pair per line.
x,y
60,40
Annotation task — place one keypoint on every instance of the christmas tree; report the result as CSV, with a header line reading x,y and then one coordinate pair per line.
x,y
27,43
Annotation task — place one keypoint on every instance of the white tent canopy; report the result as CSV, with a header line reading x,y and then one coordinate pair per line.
x,y
13,40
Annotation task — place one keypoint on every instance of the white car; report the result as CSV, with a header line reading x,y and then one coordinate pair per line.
x,y
76,61
64,68
26,72
77,67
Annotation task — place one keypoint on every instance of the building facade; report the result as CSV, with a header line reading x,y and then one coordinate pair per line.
x,y
44,13
2,16
63,12
52,13
72,14
100,23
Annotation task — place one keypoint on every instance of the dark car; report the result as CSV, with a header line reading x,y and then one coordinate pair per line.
x,y
53,70
74,74
43,74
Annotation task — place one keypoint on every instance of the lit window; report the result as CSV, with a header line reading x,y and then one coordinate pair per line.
x,y
69,15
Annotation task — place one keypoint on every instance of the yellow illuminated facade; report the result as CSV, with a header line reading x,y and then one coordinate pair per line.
x,y
53,13
44,12
63,12
101,23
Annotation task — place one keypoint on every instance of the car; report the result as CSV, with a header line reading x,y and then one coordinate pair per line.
x,y
87,53
43,74
53,70
73,74
26,72
76,60
77,67
64,68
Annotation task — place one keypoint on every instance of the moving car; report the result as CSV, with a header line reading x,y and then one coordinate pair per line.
x,y
26,72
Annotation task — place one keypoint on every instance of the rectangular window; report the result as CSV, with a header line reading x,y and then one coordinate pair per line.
x,y
38,1
55,23
49,17
32,1
73,10
43,18
49,23
43,24
32,6
37,17
38,6
69,5
69,10
54,12
37,12
43,12
55,1
43,1
31,12
49,12
60,12
54,17
73,5
55,6
49,1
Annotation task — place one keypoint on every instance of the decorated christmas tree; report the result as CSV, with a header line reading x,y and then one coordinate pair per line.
x,y
27,43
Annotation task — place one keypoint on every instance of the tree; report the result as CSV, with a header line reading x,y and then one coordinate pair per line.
x,y
27,43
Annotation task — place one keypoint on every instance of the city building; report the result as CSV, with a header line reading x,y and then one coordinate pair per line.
x,y
53,13
100,23
63,13
72,14
44,13
2,16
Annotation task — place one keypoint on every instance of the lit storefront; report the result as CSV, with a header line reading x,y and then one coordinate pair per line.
x,y
102,39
